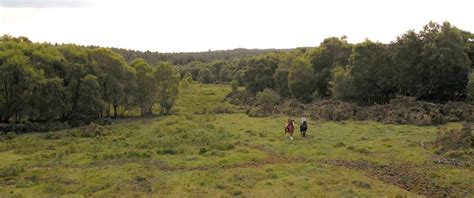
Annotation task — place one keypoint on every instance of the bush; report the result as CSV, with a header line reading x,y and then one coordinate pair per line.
x,y
34,126
402,110
52,136
205,76
235,86
257,112
240,98
91,130
268,98
10,135
455,139
104,121
11,171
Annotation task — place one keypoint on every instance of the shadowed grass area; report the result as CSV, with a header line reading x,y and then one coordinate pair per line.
x,y
200,152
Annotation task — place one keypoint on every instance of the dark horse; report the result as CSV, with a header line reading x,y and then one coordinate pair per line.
x,y
303,128
289,128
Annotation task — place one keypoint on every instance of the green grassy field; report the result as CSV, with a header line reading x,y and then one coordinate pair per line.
x,y
198,153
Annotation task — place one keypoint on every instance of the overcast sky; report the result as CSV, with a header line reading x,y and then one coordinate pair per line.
x,y
200,25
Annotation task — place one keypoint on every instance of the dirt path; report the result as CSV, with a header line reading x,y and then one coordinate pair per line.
x,y
406,176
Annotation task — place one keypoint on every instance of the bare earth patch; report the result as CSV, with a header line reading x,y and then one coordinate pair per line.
x,y
406,176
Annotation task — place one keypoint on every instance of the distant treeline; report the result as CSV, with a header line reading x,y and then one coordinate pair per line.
x,y
182,58
433,64
44,82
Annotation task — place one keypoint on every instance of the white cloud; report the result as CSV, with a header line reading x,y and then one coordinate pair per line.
x,y
188,25
43,3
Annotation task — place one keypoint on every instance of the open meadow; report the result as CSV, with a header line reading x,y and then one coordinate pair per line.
x,y
199,151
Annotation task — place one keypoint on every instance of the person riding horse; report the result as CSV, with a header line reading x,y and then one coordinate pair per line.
x,y
289,128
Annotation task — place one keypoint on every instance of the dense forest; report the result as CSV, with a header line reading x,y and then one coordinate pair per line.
x,y
431,65
44,82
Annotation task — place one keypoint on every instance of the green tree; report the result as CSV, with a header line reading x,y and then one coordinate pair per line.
x,y
470,87
301,80
259,73
372,72
225,74
434,63
444,63
111,75
193,67
90,105
167,81
280,78
186,80
17,77
48,59
239,77
341,83
48,101
221,70
407,51
469,40
130,88
332,52
145,85
205,76
76,66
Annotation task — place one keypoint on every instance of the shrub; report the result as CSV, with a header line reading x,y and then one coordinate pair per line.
x,y
402,110
240,98
11,171
52,136
91,130
455,139
202,150
267,98
205,76
257,112
235,86
104,121
34,126
10,135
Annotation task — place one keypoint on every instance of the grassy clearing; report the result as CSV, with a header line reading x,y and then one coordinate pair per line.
x,y
202,152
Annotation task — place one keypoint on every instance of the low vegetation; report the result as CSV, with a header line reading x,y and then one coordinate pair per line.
x,y
197,152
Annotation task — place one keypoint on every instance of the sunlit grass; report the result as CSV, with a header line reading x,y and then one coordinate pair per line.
x,y
198,153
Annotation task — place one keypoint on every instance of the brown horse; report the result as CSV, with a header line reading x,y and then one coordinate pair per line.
x,y
289,128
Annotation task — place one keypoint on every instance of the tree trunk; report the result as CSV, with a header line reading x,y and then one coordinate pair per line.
x,y
115,111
